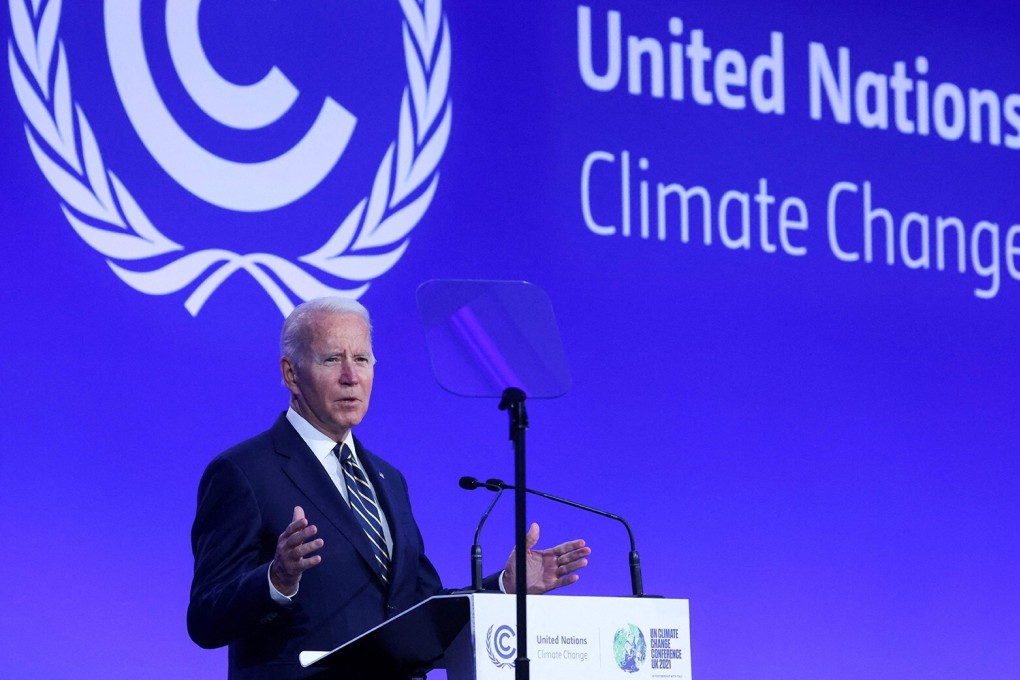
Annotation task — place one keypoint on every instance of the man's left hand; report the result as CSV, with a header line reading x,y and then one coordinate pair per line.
x,y
546,569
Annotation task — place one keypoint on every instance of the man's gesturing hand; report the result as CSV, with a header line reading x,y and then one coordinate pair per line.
x,y
549,568
292,553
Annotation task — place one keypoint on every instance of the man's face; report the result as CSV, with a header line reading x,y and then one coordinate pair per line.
x,y
331,386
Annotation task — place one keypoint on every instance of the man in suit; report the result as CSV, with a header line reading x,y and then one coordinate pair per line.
x,y
304,539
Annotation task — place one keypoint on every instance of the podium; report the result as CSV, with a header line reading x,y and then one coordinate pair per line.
x,y
473,637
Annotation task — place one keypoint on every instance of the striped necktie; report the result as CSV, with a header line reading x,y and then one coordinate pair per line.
x,y
366,510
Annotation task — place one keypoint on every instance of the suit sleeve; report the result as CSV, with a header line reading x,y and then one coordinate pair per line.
x,y
229,592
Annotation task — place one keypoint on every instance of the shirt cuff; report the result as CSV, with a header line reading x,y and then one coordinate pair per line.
x,y
280,598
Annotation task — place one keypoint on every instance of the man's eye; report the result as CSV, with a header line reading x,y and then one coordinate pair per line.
x,y
361,360
329,361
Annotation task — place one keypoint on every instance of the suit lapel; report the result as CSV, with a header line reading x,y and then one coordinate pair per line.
x,y
299,464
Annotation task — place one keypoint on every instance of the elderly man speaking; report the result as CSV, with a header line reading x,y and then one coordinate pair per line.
x,y
303,538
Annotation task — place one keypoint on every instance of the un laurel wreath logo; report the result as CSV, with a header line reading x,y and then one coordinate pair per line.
x,y
500,646
370,238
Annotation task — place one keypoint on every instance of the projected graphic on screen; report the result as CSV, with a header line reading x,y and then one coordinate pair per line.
x,y
850,212
781,241
364,243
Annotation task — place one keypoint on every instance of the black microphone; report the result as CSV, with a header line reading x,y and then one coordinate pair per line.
x,y
470,483
636,585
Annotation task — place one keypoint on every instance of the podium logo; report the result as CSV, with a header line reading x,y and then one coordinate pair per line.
x,y
373,232
501,645
629,648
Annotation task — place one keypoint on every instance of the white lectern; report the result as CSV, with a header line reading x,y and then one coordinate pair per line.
x,y
473,637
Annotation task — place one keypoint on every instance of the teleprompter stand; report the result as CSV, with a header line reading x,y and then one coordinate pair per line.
x,y
498,339
513,403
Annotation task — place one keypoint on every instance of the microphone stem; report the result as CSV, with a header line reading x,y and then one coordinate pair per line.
x,y
581,506
636,584
476,567
476,549
478,531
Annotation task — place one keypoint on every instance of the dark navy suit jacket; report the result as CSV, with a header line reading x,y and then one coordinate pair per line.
x,y
245,501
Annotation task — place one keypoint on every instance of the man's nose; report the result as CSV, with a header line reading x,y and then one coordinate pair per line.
x,y
348,373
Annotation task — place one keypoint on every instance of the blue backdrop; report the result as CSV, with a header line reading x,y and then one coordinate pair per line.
x,y
783,245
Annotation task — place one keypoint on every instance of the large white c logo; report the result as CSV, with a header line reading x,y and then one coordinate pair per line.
x,y
245,187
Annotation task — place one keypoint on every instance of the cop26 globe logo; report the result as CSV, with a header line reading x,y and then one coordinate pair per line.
x,y
362,226
629,648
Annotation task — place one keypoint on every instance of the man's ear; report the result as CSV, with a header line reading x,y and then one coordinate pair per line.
x,y
289,372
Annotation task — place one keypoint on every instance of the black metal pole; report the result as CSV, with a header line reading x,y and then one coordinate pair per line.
x,y
513,401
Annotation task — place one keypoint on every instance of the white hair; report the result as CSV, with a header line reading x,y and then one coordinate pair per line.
x,y
296,334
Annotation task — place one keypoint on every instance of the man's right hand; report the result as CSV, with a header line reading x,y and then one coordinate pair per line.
x,y
292,554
